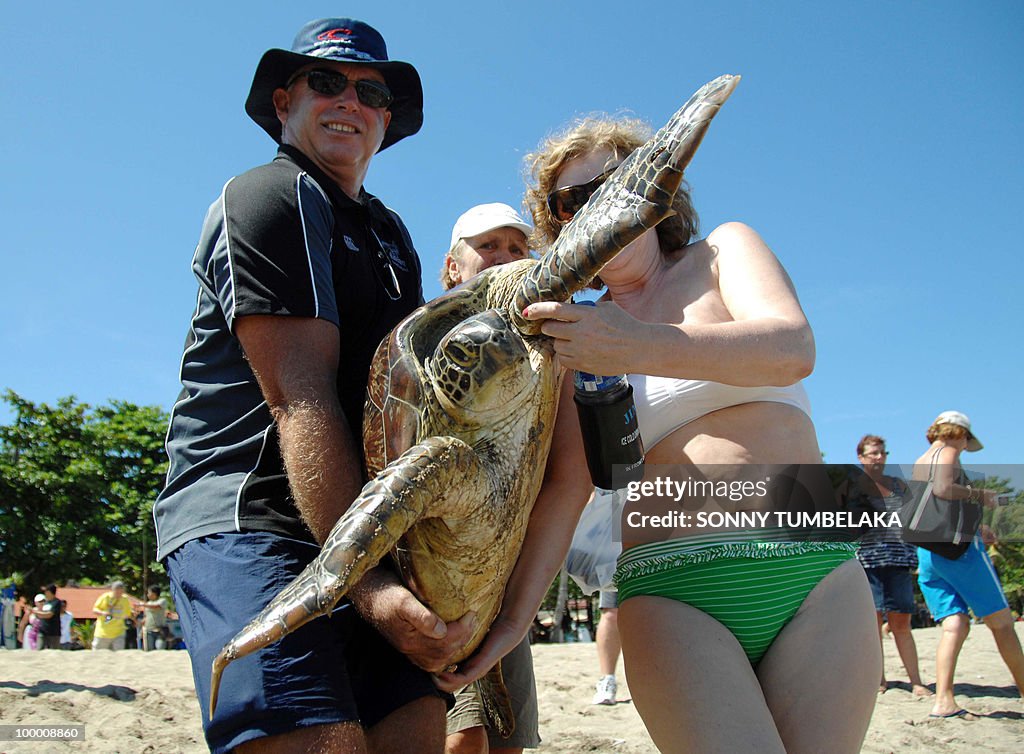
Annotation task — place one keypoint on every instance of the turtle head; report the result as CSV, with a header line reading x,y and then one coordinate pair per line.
x,y
634,199
479,366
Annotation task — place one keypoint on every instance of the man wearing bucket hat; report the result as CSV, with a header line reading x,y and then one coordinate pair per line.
x,y
950,586
300,273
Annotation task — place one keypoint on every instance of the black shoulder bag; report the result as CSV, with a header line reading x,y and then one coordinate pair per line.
x,y
945,527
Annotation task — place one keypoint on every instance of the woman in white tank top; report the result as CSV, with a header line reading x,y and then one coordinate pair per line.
x,y
715,343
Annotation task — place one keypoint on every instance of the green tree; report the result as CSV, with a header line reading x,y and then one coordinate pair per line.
x,y
77,485
1007,553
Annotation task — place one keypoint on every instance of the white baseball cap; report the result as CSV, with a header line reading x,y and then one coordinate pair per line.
x,y
485,217
960,420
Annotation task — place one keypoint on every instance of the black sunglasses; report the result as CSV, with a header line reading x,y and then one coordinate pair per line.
x,y
390,280
332,83
566,202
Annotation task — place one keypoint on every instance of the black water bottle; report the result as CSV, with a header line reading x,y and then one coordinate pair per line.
x,y
611,434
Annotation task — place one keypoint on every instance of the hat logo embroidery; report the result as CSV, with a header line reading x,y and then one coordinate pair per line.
x,y
334,34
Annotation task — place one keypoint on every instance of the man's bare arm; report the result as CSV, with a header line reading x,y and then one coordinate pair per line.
x,y
295,362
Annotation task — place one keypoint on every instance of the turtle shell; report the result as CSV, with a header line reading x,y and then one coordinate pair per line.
x,y
391,416
397,392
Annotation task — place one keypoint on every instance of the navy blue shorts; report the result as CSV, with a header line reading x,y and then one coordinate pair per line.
x,y
892,588
329,671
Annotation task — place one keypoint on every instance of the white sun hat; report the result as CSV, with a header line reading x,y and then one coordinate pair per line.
x,y
485,217
960,420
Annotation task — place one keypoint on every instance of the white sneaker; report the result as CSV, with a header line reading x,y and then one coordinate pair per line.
x,y
605,691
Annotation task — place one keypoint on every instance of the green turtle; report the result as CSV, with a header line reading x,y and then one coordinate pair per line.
x,y
462,397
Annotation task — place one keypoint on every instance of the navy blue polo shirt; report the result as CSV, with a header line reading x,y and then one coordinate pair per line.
x,y
282,239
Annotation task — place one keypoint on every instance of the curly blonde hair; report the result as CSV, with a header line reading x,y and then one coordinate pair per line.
x,y
946,432
620,136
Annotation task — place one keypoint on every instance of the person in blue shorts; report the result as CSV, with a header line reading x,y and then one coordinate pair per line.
x,y
300,273
952,587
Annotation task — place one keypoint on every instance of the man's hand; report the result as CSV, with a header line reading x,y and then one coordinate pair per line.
x,y
408,625
500,640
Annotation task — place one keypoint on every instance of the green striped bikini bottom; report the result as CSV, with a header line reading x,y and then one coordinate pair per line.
x,y
743,579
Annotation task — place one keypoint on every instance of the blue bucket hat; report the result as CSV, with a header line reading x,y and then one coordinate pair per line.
x,y
348,41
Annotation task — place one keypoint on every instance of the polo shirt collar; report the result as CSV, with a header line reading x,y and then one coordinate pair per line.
x,y
338,197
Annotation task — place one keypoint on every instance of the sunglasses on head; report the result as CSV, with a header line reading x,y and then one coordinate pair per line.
x,y
564,203
332,83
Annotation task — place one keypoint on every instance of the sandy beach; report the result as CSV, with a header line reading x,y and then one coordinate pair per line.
x,y
137,702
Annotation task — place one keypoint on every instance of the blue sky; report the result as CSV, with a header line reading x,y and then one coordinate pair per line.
x,y
876,147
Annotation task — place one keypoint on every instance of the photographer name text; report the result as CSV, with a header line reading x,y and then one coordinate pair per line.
x,y
762,520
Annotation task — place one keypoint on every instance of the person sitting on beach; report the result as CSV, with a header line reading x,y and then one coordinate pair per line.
x,y
714,342
485,236
112,610
953,587
888,561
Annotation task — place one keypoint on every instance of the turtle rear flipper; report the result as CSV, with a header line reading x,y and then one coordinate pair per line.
x,y
496,702
418,482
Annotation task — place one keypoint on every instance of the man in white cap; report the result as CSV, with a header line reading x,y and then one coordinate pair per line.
x,y
484,236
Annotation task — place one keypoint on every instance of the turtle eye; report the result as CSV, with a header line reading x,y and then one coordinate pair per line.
x,y
459,354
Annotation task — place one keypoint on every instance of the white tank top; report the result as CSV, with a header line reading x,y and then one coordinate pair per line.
x,y
664,404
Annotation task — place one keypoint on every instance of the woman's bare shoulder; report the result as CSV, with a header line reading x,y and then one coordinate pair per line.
x,y
734,234
946,455
736,244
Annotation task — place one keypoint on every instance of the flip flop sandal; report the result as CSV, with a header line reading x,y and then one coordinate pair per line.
x,y
959,713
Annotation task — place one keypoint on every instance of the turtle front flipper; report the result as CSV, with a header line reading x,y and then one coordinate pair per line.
x,y
387,507
634,199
